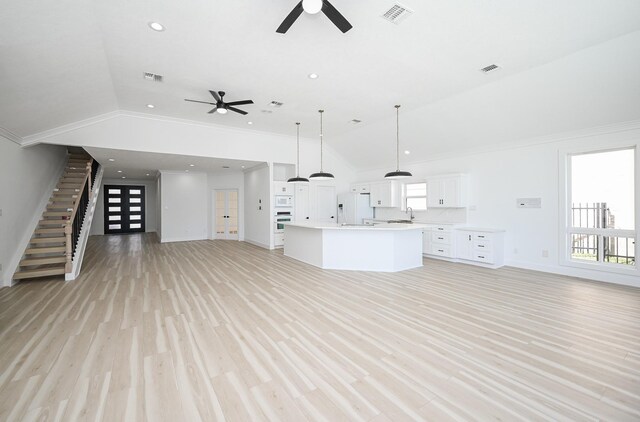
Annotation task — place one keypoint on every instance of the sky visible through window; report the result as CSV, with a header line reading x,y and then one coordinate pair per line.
x,y
606,177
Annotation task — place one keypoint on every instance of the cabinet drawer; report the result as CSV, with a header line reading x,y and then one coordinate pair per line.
x,y
482,237
441,237
441,250
482,245
440,229
483,257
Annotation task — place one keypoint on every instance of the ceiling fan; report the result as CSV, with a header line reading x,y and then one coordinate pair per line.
x,y
222,107
312,7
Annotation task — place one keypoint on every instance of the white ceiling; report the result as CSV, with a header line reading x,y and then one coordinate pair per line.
x,y
70,60
145,165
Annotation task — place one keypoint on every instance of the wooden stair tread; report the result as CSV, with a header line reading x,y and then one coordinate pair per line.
x,y
60,259
50,230
39,272
60,222
48,239
57,213
45,250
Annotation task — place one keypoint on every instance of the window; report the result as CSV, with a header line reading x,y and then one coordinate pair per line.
x,y
600,228
416,196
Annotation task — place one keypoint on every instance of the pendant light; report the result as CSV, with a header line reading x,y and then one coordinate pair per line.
x,y
321,175
398,174
298,179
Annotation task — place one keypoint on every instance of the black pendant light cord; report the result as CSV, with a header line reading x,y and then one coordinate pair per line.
x,y
321,136
397,137
298,144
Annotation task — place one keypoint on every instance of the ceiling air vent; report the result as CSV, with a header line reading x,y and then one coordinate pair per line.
x,y
489,68
152,77
355,121
267,111
397,13
275,104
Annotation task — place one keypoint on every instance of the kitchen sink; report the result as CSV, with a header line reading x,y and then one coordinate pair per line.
x,y
400,221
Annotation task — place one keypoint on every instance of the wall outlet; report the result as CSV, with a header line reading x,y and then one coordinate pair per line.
x,y
545,253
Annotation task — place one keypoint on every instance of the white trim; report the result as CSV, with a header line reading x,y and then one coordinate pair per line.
x,y
259,244
182,239
21,247
564,216
86,228
6,133
60,130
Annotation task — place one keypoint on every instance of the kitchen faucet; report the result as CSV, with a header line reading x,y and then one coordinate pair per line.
x,y
410,211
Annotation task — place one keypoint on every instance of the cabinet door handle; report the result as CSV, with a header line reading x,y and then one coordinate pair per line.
x,y
480,256
440,228
481,246
441,238
469,237
481,237
440,250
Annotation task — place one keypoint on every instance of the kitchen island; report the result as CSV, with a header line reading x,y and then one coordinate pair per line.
x,y
381,247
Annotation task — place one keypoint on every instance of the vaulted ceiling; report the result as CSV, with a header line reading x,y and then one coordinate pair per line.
x,y
70,60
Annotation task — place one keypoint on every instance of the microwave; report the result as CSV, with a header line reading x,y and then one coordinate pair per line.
x,y
284,201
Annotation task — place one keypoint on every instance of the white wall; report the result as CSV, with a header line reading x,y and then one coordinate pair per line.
x,y
258,211
225,180
183,206
28,177
151,199
158,206
497,178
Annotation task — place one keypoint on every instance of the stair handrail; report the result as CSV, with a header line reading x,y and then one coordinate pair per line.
x,y
68,228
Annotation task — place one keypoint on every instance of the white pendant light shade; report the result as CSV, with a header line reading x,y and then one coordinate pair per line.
x,y
312,6
397,174
298,179
321,175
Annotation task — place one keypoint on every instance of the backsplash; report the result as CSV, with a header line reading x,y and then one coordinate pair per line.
x,y
434,215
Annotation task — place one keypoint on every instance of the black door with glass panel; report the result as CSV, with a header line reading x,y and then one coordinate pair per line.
x,y
123,209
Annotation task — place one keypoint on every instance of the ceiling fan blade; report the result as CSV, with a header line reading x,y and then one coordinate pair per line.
x,y
237,110
290,19
196,101
213,110
335,16
215,95
233,103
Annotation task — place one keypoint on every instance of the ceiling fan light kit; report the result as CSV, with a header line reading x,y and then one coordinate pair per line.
x,y
397,174
321,175
312,7
298,179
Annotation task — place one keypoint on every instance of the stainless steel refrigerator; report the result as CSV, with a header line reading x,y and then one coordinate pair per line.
x,y
353,208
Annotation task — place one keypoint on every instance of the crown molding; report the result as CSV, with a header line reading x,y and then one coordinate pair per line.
x,y
528,142
6,133
42,136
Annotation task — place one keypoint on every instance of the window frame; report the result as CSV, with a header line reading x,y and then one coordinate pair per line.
x,y
565,229
405,196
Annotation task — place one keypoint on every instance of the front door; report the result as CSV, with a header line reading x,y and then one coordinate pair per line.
x,y
124,209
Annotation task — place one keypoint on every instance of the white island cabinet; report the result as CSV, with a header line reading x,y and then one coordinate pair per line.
x,y
383,247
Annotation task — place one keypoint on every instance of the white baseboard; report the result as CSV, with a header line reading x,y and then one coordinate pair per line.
x,y
253,242
181,239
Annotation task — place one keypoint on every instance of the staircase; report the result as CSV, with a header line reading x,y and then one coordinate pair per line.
x,y
51,248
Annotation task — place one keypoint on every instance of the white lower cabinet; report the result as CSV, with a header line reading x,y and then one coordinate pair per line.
x,y
438,241
484,247
278,239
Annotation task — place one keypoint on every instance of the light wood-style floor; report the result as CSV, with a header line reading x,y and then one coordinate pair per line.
x,y
215,330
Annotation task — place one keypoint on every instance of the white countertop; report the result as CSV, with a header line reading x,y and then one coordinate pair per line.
x,y
377,227
480,229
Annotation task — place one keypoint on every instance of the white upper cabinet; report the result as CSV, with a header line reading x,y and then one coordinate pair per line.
x,y
361,188
447,191
384,194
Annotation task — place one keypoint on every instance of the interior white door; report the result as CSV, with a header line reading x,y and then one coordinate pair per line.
x,y
226,214
326,203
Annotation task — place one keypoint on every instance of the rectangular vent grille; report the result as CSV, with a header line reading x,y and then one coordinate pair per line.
x,y
152,77
275,104
355,121
397,13
489,68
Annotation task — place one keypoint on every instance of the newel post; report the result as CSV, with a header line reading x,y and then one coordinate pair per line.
x,y
68,230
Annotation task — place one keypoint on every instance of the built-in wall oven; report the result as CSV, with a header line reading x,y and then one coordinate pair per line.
x,y
283,201
280,218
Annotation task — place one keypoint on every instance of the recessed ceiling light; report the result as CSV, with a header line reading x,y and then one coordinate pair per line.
x,y
313,76
112,159
192,165
156,26
148,174
150,106
249,123
119,171
123,177
407,152
242,166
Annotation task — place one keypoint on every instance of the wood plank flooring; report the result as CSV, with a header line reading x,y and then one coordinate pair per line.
x,y
223,330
